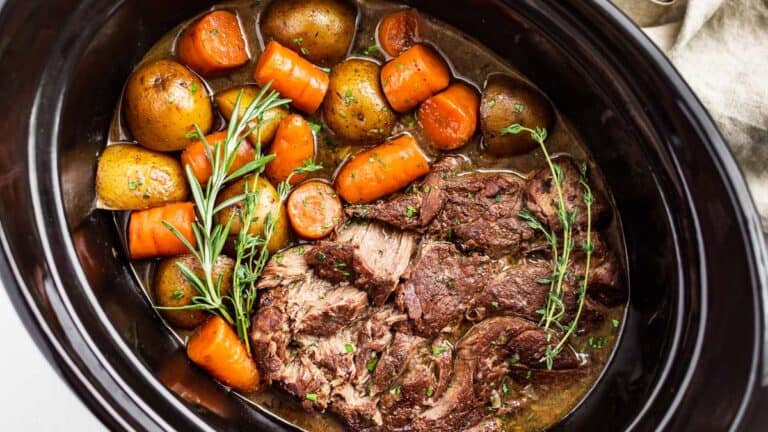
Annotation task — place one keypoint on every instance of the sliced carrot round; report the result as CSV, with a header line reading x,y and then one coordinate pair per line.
x,y
399,31
294,145
314,210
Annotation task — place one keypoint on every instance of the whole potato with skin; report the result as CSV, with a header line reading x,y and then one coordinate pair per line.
x,y
226,102
163,102
320,30
173,289
130,177
267,202
355,107
507,101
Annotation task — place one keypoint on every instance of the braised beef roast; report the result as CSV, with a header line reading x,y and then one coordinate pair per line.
x,y
422,311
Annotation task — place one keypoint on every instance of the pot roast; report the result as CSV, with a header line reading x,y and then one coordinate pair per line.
x,y
422,312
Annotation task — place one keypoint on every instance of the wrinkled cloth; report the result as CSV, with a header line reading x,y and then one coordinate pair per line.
x,y
721,49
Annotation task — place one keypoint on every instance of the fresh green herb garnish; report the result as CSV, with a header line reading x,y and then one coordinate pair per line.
x,y
193,88
371,365
348,347
395,391
441,349
410,212
311,397
177,294
495,304
371,49
615,323
554,310
133,184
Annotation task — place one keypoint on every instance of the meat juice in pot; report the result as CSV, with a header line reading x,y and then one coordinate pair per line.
x,y
546,401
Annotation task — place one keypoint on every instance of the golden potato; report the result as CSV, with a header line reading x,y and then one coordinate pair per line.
x,y
172,289
130,177
321,30
226,102
354,107
507,101
163,102
267,203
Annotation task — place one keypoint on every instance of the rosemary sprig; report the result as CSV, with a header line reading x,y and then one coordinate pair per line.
x,y
554,309
211,238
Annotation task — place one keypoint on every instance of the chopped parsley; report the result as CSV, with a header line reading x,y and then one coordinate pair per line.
x,y
440,349
133,184
193,88
320,256
410,212
349,98
596,342
311,397
395,391
371,365
615,323
519,107
495,304
515,359
348,347
177,294
430,392
214,31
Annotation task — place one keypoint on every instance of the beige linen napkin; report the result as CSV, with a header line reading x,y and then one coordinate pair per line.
x,y
721,49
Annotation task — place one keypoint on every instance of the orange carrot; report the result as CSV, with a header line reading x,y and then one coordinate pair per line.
x,y
378,172
449,119
216,348
314,210
292,76
197,158
399,31
148,237
214,44
294,144
413,77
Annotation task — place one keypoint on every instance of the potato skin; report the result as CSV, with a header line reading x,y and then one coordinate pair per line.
x,y
163,102
172,289
507,101
130,177
355,107
226,102
320,30
267,202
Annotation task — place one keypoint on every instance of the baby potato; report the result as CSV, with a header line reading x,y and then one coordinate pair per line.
x,y
172,289
267,202
321,30
130,177
226,102
507,101
163,102
355,108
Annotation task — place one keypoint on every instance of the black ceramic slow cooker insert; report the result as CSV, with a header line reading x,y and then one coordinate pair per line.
x,y
691,352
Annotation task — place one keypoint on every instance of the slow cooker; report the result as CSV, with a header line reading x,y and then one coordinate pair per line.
x,y
691,356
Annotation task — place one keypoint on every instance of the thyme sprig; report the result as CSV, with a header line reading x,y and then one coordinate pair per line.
x,y
554,309
252,251
210,238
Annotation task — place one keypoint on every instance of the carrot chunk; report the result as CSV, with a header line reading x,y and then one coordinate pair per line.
x,y
449,119
197,158
148,237
216,348
314,210
399,31
292,76
213,45
378,172
413,77
294,144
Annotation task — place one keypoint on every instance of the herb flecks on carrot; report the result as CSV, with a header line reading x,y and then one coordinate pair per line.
x,y
150,237
449,118
294,145
399,31
383,170
197,158
413,77
314,210
293,76
216,348
214,44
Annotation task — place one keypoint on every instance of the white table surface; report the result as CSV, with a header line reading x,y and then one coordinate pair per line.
x,y
32,396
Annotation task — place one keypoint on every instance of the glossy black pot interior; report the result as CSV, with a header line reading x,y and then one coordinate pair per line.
x,y
689,356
